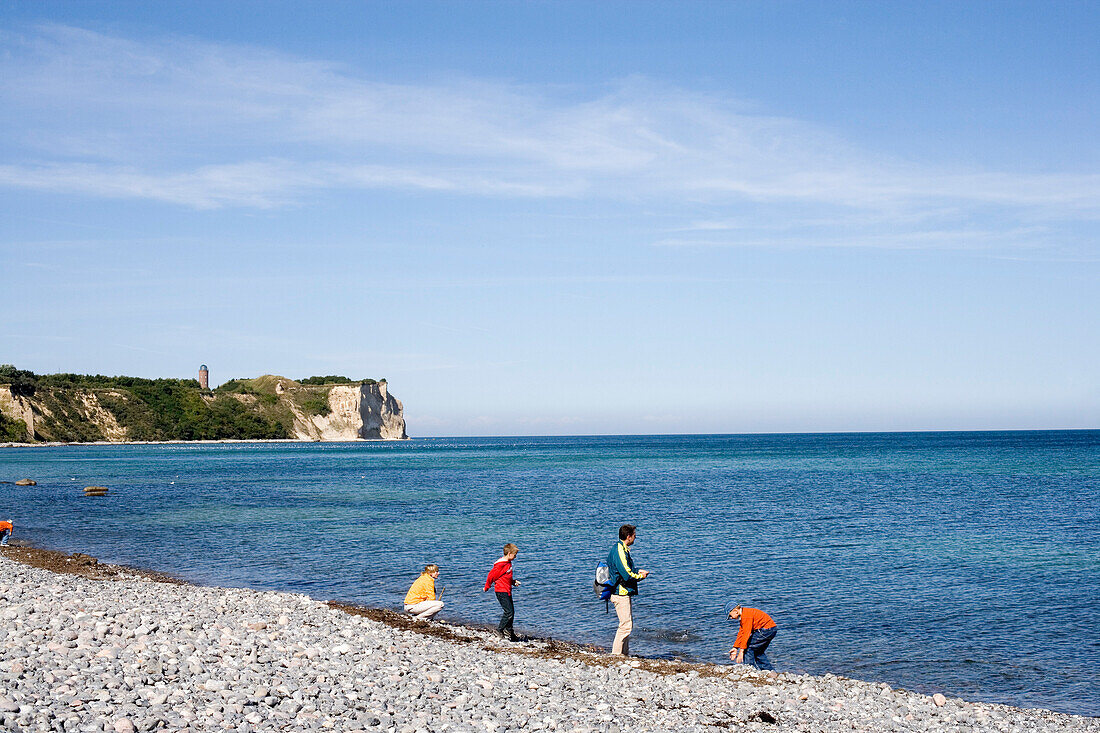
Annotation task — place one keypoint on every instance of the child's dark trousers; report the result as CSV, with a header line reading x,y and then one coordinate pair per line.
x,y
509,615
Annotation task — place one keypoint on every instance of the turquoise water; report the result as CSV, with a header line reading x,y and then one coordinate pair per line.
x,y
966,563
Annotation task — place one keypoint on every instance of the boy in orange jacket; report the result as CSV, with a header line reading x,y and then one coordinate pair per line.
x,y
756,631
500,578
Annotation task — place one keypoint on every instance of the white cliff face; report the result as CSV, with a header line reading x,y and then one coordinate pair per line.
x,y
382,413
357,411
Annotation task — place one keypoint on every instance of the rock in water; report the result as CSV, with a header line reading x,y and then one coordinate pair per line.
x,y
26,482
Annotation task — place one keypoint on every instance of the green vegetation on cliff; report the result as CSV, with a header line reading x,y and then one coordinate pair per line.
x,y
178,412
21,381
279,397
66,407
12,430
334,379
275,398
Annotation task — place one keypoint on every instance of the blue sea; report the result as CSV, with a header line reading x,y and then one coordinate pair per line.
x,y
966,563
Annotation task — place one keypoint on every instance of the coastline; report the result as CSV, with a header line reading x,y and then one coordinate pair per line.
x,y
153,652
61,444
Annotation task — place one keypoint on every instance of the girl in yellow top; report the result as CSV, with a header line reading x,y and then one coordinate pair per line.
x,y
421,600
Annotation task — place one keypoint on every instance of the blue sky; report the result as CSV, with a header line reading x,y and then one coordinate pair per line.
x,y
567,218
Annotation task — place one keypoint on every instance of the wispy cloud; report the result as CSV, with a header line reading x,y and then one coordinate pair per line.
x,y
206,126
961,238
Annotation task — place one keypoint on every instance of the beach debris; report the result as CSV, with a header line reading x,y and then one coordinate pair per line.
x,y
95,491
26,482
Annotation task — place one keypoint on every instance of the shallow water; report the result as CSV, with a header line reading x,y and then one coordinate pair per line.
x,y
966,563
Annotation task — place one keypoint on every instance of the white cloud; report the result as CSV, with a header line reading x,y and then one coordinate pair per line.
x,y
256,183
205,126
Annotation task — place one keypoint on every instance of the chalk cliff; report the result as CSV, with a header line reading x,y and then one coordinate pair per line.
x,y
355,411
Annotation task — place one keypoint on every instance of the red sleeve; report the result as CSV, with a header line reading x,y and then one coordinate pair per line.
x,y
496,572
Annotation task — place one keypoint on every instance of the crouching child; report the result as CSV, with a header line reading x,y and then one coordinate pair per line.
x,y
756,630
422,601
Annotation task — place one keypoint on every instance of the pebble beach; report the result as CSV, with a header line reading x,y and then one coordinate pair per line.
x,y
104,648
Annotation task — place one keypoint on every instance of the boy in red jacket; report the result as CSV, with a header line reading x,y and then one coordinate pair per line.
x,y
500,578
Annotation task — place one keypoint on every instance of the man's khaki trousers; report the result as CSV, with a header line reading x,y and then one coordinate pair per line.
x,y
626,625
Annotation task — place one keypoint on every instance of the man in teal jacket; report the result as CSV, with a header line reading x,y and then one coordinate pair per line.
x,y
624,579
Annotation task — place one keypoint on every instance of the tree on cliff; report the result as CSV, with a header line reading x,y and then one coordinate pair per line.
x,y
23,382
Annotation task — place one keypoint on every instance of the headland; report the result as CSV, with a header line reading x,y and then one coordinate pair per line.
x,y
81,408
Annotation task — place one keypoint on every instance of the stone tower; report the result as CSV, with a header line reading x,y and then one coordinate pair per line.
x,y
204,378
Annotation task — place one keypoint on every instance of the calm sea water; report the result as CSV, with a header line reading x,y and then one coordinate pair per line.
x,y
967,563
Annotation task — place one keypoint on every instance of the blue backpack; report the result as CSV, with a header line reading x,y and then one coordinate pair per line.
x,y
604,584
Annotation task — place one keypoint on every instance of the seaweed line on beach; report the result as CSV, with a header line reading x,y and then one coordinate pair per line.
x,y
543,648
